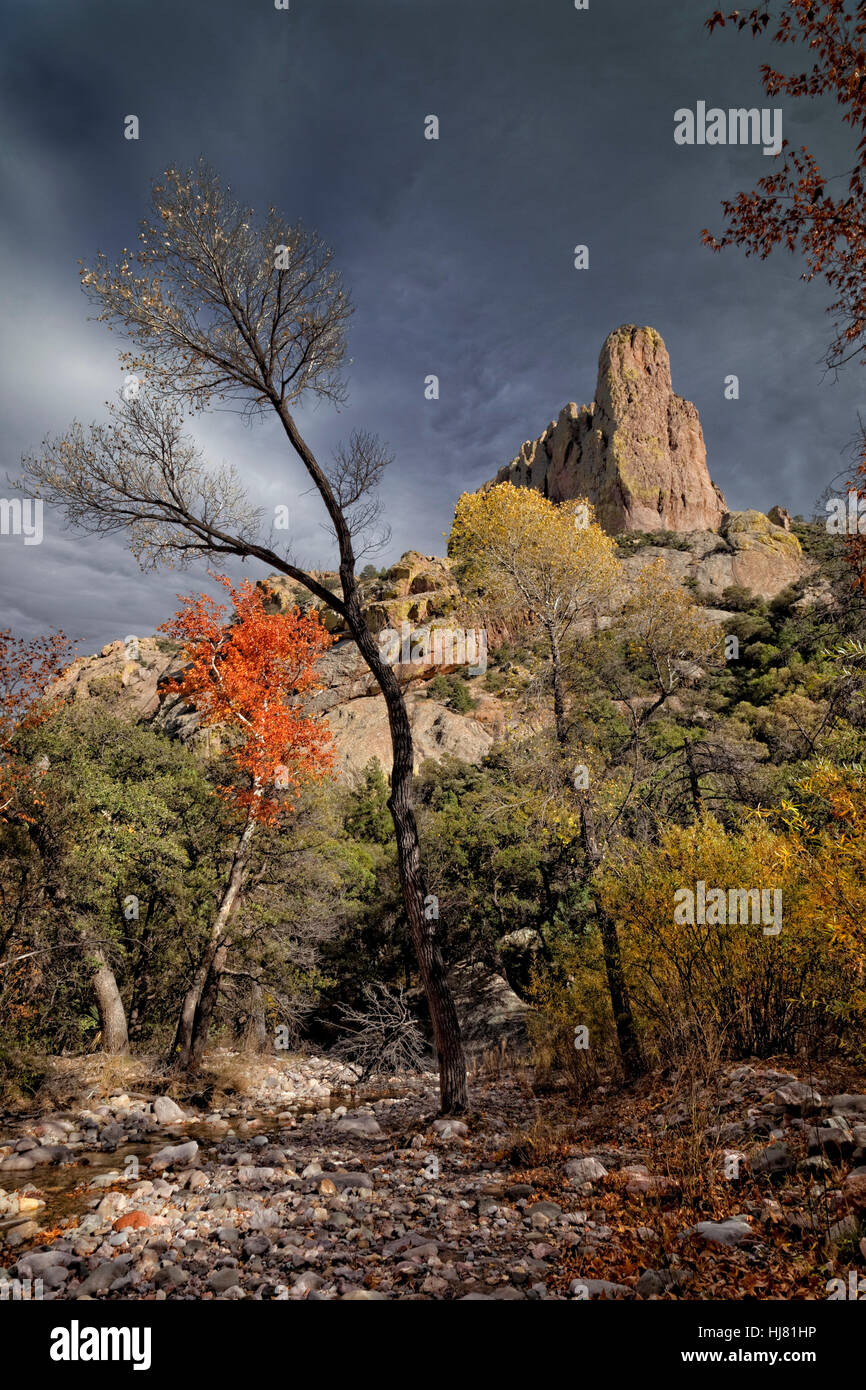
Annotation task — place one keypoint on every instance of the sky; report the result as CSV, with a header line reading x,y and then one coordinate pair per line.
x,y
556,129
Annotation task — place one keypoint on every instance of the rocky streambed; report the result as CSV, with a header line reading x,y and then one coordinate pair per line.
x,y
308,1189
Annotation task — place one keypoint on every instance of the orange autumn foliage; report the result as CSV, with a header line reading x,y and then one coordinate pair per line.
x,y
250,673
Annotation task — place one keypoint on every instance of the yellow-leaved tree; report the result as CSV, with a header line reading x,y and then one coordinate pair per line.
x,y
516,552
664,627
825,844
797,976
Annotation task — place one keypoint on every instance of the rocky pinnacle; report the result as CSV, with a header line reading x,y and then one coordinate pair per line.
x,y
637,452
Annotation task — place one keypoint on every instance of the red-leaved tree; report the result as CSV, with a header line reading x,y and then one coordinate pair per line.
x,y
798,205
248,674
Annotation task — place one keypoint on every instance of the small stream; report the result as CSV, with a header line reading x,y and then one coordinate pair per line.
x,y
65,1188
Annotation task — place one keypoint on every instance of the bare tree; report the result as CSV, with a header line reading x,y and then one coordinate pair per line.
x,y
218,305
383,1035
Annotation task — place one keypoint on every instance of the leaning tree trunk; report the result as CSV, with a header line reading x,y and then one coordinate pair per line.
x,y
440,1000
182,1046
112,1015
109,1003
206,1005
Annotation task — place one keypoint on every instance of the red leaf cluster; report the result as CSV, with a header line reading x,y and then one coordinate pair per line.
x,y
250,673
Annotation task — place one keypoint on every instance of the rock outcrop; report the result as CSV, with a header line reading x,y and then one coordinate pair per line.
x,y
491,1015
418,589
637,452
133,676
748,552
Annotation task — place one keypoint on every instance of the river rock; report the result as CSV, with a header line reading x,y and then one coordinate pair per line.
x,y
174,1156
104,1276
359,1123
731,1232
580,1170
167,1111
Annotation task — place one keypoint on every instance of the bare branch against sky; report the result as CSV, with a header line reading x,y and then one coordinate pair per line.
x,y
458,250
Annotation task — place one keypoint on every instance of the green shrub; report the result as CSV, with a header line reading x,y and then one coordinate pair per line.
x,y
452,691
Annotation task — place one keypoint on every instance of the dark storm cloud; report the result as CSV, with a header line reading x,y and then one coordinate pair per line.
x,y
556,129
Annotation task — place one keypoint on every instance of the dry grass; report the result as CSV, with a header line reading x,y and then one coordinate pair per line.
x,y
65,1080
42,1082
495,1063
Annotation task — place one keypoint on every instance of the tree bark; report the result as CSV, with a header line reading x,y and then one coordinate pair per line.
x,y
206,1005
254,1037
440,1001
182,1047
109,1002
112,1015
626,1033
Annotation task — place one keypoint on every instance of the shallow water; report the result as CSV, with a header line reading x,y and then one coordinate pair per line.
x,y
65,1188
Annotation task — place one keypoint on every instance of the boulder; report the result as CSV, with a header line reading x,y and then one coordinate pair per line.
x,y
579,1170
132,1221
847,1104
731,1232
451,1129
777,1158
105,1274
798,1097
167,1111
361,732
174,1156
780,517
358,1122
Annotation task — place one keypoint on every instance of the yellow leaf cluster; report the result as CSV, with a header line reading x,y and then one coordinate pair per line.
x,y
517,548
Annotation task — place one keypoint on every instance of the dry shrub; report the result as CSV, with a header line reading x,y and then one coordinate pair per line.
x,y
684,1151
543,1144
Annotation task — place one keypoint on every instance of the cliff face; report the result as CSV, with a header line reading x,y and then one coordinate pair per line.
x,y
637,453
